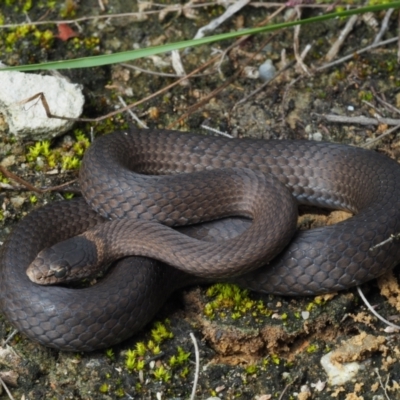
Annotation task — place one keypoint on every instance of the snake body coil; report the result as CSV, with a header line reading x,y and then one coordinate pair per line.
x,y
316,261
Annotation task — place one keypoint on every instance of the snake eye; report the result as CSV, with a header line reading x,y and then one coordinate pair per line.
x,y
60,269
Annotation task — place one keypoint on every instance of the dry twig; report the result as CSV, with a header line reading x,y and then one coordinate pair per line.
x,y
6,389
31,188
197,371
339,42
384,26
342,119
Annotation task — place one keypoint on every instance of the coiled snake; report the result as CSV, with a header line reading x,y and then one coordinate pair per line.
x,y
316,261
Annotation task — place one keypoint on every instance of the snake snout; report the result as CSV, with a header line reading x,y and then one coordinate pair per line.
x,y
48,267
66,261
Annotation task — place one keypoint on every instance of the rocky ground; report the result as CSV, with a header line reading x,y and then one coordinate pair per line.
x,y
251,346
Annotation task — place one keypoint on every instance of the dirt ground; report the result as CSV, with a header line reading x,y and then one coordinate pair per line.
x,y
251,346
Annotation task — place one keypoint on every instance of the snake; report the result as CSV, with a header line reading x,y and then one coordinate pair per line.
x,y
316,261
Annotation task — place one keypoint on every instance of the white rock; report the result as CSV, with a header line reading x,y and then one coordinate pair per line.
x,y
338,373
29,120
267,70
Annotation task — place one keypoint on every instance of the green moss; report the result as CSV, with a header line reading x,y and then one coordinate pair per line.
x,y
185,372
275,359
3,179
130,360
229,299
33,199
365,95
110,354
179,359
104,388
160,332
140,349
86,43
312,348
68,10
162,374
120,392
70,162
40,38
140,365
154,348
251,369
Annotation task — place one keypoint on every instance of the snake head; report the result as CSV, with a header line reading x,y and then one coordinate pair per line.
x,y
64,262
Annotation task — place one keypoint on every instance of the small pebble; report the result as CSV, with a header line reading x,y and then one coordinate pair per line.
x,y
305,314
267,71
17,201
339,374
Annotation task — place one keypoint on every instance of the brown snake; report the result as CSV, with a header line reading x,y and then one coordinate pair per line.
x,y
316,261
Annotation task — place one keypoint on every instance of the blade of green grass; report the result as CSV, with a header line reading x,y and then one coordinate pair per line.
x,y
106,59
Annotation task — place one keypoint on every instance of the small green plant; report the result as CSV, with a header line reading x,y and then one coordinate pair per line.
x,y
140,349
70,162
312,348
120,392
275,359
130,360
179,359
33,199
154,348
140,365
104,388
40,148
229,297
3,179
251,369
365,95
110,354
162,374
185,372
160,333
81,144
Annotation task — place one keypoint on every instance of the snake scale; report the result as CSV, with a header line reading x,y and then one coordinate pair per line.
x,y
316,261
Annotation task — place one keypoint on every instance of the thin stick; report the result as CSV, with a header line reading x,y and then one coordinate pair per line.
x,y
216,131
380,137
6,389
350,56
42,98
197,371
359,120
132,114
398,39
384,26
391,107
140,14
385,321
339,42
32,188
286,388
381,383
10,336
296,45
215,23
